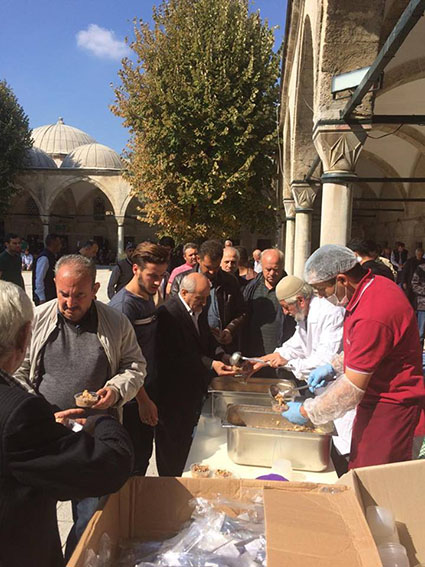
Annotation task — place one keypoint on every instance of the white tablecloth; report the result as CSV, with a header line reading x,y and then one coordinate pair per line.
x,y
212,451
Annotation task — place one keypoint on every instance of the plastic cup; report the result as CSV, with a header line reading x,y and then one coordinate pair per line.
x,y
282,467
393,555
382,525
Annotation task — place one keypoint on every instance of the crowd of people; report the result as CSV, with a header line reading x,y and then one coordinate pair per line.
x,y
348,330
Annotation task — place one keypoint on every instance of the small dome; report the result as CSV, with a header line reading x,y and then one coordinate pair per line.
x,y
59,138
93,156
36,158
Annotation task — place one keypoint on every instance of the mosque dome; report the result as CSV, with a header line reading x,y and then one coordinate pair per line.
x,y
59,138
93,156
37,159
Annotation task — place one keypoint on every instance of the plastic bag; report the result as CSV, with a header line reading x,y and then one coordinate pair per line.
x,y
222,533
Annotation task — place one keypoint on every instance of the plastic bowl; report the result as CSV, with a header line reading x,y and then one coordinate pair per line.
x,y
224,473
200,471
86,399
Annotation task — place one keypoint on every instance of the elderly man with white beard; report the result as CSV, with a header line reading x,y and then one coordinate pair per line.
x,y
317,341
318,335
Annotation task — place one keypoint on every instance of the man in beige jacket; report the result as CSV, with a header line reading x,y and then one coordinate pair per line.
x,y
81,344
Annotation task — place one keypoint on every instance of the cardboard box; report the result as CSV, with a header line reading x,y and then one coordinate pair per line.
x,y
307,525
400,487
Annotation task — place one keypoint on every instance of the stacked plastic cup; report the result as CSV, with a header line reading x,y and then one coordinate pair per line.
x,y
384,530
382,524
393,555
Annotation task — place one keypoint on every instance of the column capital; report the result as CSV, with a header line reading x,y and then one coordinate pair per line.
x,y
289,205
304,195
339,148
120,220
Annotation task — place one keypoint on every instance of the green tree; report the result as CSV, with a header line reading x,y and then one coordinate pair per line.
x,y
15,140
200,102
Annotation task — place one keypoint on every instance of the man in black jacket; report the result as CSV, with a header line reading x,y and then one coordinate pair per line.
x,y
266,327
43,271
186,359
43,461
225,305
122,273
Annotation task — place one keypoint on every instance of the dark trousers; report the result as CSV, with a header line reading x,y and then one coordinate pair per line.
x,y
82,511
173,439
142,436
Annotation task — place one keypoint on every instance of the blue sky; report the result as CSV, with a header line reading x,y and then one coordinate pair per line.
x,y
60,57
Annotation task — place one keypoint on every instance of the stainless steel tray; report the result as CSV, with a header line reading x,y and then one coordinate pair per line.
x,y
227,391
263,439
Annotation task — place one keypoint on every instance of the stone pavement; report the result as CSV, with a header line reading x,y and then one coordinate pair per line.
x,y
64,512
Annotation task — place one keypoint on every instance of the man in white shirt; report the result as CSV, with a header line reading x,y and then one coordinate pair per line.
x,y
318,335
316,341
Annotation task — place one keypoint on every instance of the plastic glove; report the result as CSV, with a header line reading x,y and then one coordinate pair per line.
x,y
319,376
293,414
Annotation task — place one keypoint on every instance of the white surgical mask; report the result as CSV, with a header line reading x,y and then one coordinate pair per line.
x,y
338,302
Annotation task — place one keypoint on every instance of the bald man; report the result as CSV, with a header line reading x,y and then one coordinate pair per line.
x,y
266,326
187,361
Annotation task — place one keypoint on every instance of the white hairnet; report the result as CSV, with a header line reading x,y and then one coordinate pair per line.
x,y
327,262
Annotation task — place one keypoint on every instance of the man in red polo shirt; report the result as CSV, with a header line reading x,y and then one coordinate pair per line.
x,y
382,374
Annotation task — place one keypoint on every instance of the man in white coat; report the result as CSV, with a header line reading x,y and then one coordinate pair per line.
x,y
317,341
318,335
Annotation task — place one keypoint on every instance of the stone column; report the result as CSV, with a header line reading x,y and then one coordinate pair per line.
x,y
290,235
120,243
45,222
304,195
339,149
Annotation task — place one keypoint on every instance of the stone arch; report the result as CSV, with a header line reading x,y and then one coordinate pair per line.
x,y
290,47
69,181
406,72
23,187
386,169
303,148
392,16
25,218
287,157
72,214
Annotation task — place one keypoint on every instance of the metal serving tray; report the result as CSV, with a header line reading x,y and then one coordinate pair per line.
x,y
257,435
229,391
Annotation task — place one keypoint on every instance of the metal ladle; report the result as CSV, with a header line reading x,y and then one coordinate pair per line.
x,y
237,357
286,389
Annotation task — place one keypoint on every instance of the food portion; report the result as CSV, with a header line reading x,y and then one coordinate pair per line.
x,y
223,473
200,471
279,404
86,399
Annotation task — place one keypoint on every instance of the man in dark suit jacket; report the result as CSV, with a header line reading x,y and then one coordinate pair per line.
x,y
43,461
226,307
187,360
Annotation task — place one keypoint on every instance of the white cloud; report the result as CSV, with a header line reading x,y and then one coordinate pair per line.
x,y
101,42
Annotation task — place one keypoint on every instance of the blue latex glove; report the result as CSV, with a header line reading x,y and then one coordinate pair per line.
x,y
293,414
319,376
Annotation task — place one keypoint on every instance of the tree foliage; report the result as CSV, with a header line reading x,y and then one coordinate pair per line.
x,y
15,140
200,102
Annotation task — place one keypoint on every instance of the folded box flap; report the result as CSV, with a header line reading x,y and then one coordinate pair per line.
x,y
317,528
